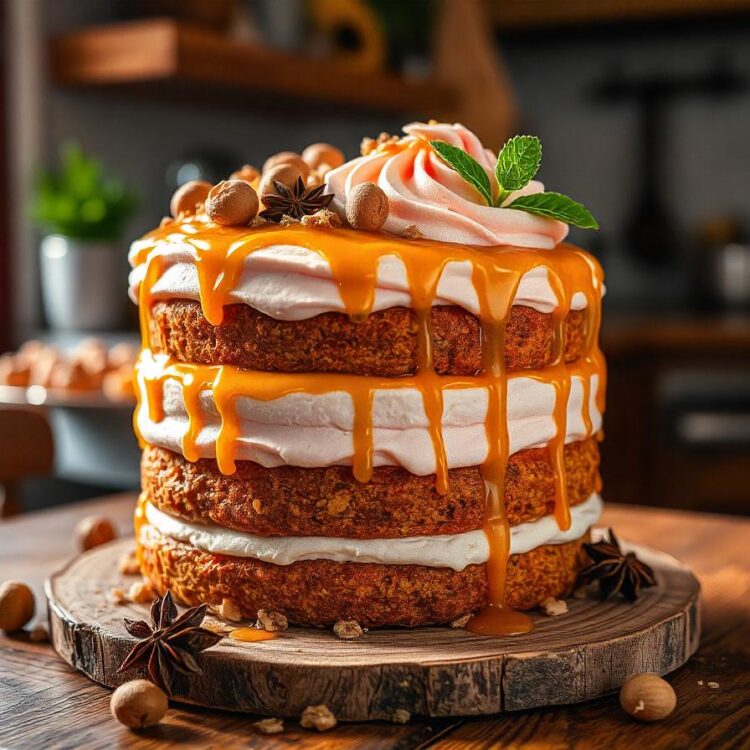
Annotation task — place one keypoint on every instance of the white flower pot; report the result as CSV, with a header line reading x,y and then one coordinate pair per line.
x,y
84,283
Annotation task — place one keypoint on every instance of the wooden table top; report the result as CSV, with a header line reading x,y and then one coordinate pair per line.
x,y
44,703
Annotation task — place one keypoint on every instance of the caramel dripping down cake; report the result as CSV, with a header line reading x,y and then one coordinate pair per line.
x,y
374,394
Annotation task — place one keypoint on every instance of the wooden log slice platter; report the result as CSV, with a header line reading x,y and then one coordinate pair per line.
x,y
437,671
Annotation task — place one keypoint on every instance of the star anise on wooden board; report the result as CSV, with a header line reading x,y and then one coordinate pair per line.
x,y
616,571
296,201
170,644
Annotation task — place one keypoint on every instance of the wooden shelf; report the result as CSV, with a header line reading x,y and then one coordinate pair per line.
x,y
531,14
177,58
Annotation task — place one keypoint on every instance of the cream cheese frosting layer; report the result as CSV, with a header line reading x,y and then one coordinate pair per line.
x,y
454,551
287,282
425,192
316,430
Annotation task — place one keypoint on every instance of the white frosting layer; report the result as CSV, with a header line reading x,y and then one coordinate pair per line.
x,y
445,551
308,430
288,282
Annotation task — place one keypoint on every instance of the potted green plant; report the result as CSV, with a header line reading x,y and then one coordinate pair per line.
x,y
82,261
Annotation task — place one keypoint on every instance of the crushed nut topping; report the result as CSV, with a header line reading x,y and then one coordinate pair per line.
x,y
412,233
318,717
461,621
401,716
258,222
141,592
118,596
368,145
347,630
323,219
128,565
229,610
272,621
269,726
553,607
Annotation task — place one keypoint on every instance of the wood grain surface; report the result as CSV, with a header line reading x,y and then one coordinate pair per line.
x,y
44,703
441,671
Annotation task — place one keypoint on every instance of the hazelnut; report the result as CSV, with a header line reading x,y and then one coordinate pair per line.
x,y
247,173
16,605
647,697
138,704
347,630
367,207
318,717
188,196
324,155
93,531
273,621
232,203
286,174
287,157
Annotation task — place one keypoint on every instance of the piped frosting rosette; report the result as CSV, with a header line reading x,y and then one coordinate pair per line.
x,y
426,193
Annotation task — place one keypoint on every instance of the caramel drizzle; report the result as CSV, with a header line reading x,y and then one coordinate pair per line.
x,y
353,258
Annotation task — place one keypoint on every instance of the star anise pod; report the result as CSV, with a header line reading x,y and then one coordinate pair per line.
x,y
616,571
296,201
170,644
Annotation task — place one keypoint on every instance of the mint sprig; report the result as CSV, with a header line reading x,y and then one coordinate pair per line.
x,y
517,164
467,166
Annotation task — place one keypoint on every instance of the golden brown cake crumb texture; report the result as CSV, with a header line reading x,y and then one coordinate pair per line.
x,y
385,344
292,501
321,592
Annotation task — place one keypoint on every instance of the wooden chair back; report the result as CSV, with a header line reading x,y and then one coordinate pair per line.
x,y
26,450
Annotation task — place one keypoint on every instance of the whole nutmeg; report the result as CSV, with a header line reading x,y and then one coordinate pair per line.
x,y
647,697
287,157
320,155
16,605
188,196
93,531
367,207
232,203
246,172
138,704
286,174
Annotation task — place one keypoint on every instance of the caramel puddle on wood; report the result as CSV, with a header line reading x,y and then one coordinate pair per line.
x,y
251,635
353,258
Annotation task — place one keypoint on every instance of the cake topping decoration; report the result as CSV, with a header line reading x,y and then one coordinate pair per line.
x,y
232,203
616,571
188,197
517,164
367,207
170,644
296,202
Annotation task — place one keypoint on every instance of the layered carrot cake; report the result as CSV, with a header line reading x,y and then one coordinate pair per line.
x,y
370,390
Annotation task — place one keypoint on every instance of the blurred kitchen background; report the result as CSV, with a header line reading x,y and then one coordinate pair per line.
x,y
643,108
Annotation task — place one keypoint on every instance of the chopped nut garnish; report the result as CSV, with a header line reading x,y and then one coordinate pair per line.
x,y
220,628
461,621
257,505
258,222
323,219
288,221
368,145
273,621
412,232
713,685
129,564
39,634
700,682
347,630
318,717
553,607
229,610
141,592
400,716
269,726
118,596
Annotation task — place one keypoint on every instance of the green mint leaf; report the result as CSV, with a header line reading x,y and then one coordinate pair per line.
x,y
556,206
470,169
518,162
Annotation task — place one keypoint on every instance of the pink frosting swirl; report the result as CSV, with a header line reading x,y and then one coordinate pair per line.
x,y
425,192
